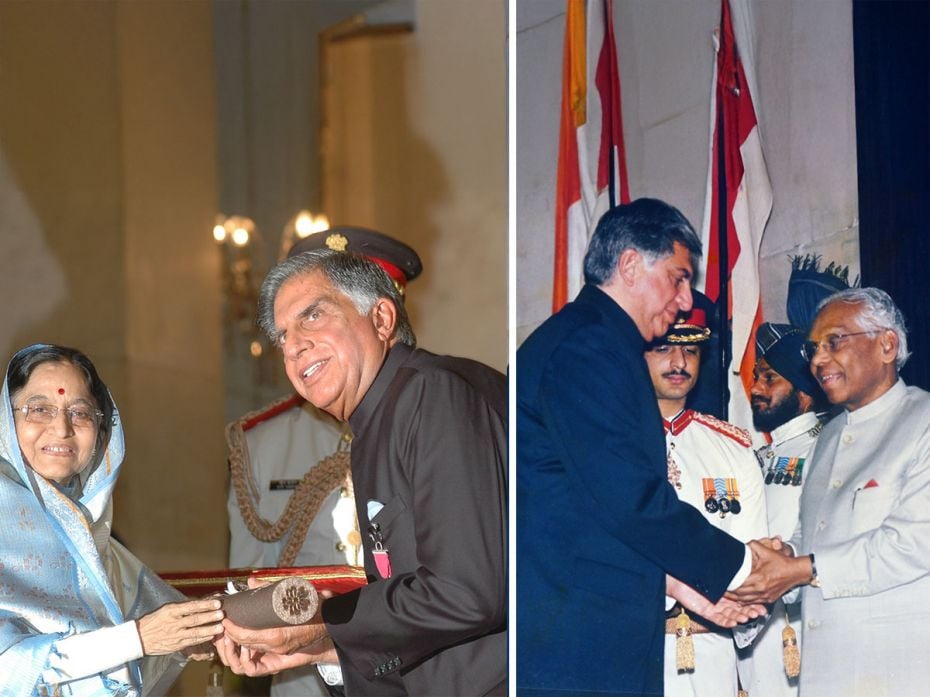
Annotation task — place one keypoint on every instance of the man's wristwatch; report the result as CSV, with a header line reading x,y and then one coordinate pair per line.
x,y
815,581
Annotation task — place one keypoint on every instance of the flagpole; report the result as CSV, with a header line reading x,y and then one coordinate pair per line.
x,y
723,273
611,173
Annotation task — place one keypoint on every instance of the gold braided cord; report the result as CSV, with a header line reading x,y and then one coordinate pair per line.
x,y
677,335
330,473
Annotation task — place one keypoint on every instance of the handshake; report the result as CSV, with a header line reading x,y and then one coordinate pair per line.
x,y
775,571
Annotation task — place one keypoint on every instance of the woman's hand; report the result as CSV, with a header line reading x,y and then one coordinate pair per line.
x,y
176,626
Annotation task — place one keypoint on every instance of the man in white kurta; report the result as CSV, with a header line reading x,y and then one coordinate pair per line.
x,y
713,468
865,510
786,402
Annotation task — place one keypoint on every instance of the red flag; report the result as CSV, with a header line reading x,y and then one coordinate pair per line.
x,y
592,161
736,144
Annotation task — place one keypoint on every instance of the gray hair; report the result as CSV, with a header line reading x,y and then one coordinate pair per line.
x,y
648,225
877,314
362,281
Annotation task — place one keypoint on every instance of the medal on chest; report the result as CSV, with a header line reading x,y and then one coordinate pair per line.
x,y
721,495
785,471
381,555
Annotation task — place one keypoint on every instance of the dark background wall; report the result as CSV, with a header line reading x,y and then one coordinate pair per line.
x,y
892,73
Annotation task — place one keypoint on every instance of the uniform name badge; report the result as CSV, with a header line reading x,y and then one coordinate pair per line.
x,y
721,495
283,484
381,555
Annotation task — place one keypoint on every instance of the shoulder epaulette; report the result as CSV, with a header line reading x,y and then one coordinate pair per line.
x,y
270,411
740,435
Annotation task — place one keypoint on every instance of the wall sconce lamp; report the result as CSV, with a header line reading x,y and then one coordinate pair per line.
x,y
243,269
301,225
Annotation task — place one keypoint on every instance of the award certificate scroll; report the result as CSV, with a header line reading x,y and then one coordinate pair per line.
x,y
196,584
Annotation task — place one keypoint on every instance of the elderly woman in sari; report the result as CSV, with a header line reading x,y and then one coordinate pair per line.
x,y
79,614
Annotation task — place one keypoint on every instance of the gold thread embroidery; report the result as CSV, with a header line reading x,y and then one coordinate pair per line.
x,y
337,242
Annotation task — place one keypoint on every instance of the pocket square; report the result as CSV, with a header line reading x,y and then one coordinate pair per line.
x,y
374,508
870,484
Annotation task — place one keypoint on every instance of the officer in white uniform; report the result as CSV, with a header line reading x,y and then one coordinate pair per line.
x,y
284,441
788,404
712,467
290,498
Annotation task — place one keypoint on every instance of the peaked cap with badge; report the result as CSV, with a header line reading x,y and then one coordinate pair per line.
x,y
400,262
688,328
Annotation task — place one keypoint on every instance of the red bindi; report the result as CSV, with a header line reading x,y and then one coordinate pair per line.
x,y
61,390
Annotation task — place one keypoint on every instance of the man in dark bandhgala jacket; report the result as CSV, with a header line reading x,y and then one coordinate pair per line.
x,y
429,465
599,527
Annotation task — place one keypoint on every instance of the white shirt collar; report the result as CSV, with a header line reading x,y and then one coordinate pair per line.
x,y
795,427
880,405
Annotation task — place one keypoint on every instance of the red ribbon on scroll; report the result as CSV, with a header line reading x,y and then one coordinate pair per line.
x,y
196,584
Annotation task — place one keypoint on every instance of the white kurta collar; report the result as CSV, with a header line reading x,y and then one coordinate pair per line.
x,y
887,401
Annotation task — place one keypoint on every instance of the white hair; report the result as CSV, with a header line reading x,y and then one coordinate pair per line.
x,y
877,314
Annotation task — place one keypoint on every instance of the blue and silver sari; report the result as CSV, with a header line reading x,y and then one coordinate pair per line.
x,y
61,572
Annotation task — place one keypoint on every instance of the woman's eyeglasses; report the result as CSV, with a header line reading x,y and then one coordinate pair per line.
x,y
80,417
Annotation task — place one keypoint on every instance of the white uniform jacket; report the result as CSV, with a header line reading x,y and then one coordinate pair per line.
x,y
865,514
712,459
282,448
785,462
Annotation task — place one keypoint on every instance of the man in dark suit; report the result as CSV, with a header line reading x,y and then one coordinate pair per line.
x,y
429,462
599,528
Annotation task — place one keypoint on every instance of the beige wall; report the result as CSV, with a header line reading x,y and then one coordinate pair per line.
x,y
107,144
61,236
414,144
175,486
107,173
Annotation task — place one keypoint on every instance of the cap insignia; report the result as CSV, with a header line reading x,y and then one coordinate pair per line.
x,y
337,242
